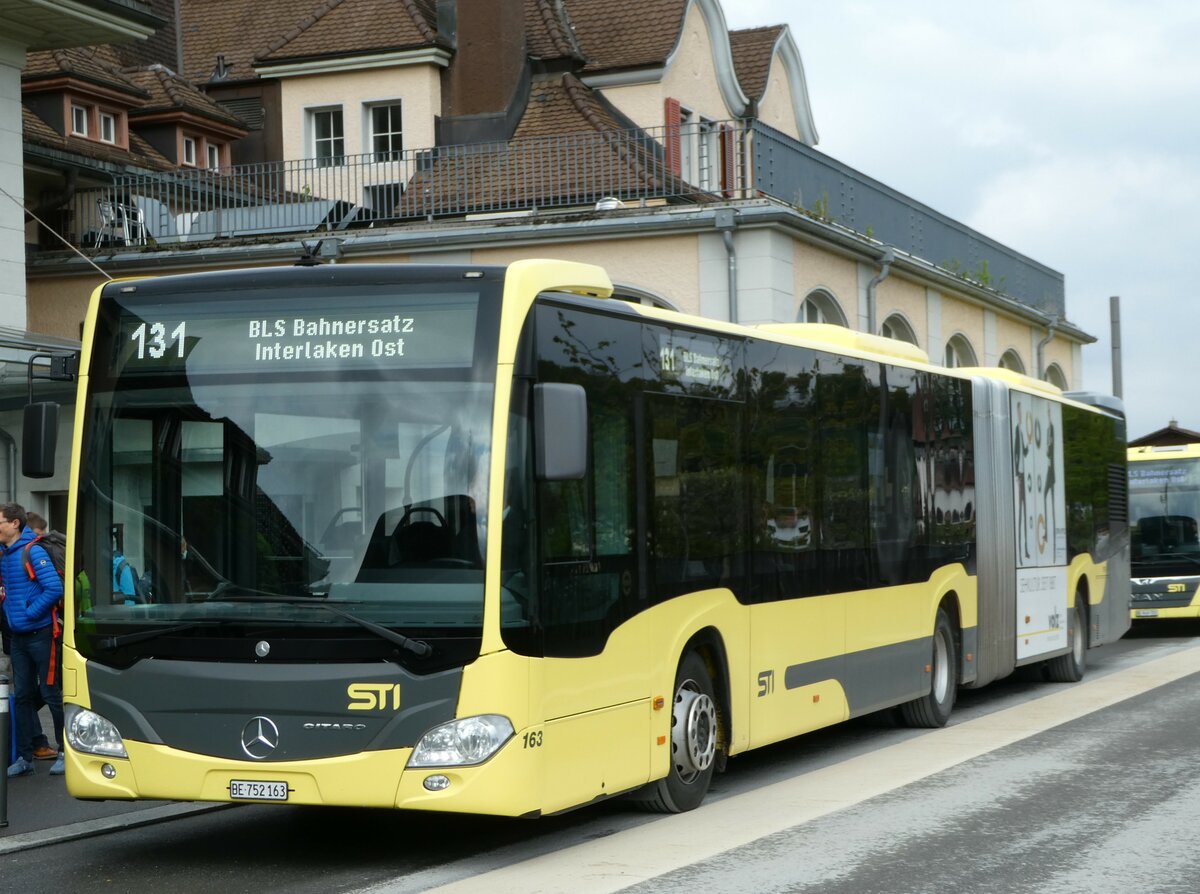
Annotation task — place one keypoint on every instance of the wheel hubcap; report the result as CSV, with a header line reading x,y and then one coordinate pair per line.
x,y
941,667
693,732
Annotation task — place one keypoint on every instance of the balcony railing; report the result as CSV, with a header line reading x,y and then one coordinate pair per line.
x,y
573,171
698,163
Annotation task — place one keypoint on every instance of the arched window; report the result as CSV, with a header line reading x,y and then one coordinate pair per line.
x,y
1056,377
1010,359
959,352
895,326
819,306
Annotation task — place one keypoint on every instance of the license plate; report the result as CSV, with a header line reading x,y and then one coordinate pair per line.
x,y
249,790
1146,613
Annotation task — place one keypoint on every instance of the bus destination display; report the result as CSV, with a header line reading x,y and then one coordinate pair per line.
x,y
424,335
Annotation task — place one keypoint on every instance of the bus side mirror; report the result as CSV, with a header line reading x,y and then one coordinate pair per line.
x,y
560,432
39,438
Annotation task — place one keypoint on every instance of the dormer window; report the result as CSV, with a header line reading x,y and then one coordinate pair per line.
x,y
108,127
79,121
214,156
189,152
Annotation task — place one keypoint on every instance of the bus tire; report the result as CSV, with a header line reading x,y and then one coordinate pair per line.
x,y
1070,668
933,709
694,736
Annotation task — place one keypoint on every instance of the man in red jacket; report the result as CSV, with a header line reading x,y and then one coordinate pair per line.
x,y
31,603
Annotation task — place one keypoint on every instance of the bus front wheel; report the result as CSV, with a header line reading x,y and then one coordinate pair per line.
x,y
933,709
694,734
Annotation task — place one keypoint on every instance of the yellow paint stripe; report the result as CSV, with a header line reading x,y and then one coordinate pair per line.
x,y
635,855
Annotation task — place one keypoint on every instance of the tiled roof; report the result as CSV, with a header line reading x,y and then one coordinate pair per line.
x,y
99,65
548,33
238,30
615,34
753,49
354,27
560,104
569,149
37,132
169,92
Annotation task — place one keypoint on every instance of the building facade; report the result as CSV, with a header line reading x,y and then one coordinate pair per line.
x,y
647,138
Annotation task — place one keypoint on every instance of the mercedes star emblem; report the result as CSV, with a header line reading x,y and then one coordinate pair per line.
x,y
260,737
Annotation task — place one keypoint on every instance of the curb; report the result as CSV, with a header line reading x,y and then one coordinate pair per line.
x,y
89,828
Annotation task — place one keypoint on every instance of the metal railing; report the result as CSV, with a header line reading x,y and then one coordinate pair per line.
x,y
697,163
687,164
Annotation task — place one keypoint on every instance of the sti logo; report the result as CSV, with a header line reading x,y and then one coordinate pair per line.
x,y
373,696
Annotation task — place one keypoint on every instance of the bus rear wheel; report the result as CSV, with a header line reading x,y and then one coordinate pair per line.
x,y
933,709
694,735
1069,668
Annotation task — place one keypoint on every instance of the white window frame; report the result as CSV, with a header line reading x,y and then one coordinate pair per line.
x,y
336,141
699,149
821,306
959,352
108,122
395,136
1011,360
79,120
189,151
213,153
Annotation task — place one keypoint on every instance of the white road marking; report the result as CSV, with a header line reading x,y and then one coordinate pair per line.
x,y
635,855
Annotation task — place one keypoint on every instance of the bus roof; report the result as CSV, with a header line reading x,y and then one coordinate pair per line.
x,y
1164,451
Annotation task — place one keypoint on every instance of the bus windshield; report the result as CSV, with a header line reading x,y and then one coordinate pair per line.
x,y
267,481
1164,517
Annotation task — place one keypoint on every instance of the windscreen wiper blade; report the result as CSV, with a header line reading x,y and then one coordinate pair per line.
x,y
1165,559
420,648
128,639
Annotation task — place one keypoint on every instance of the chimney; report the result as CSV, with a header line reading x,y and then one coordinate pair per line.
x,y
486,86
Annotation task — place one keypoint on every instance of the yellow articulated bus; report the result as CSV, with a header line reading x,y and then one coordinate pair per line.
x,y
486,540
1164,524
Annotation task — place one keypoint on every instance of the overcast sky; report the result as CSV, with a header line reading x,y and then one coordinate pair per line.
x,y
1068,130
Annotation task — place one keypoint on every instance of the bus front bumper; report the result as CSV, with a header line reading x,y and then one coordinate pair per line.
x,y
505,785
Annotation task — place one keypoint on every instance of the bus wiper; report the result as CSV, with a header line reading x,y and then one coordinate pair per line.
x,y
418,647
128,639
1165,559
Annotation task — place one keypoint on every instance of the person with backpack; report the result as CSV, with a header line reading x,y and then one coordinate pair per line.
x,y
124,581
32,598
41,745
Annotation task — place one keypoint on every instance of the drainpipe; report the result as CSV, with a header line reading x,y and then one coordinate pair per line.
x,y
1041,347
726,221
885,266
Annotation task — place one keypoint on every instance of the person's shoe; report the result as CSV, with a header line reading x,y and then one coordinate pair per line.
x,y
44,753
58,768
20,767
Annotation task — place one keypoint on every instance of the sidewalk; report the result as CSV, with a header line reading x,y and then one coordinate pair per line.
x,y
41,812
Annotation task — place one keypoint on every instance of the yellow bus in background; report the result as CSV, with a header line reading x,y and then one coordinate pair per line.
x,y
487,540
1164,520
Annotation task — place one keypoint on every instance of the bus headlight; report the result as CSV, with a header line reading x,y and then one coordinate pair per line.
x,y
90,733
471,740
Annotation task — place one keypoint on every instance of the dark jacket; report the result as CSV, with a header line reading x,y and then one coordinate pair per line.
x,y
28,603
